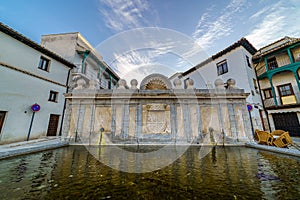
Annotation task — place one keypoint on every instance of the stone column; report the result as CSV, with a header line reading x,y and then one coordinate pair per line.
x,y
79,122
221,120
113,120
186,121
232,120
139,120
67,120
200,135
125,121
173,113
92,121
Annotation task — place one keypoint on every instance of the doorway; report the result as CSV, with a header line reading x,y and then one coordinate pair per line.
x,y
53,125
287,122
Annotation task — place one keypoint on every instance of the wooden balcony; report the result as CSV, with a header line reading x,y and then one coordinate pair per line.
x,y
282,101
261,71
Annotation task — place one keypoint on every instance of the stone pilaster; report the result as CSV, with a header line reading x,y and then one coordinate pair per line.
x,y
173,113
113,121
200,135
125,122
139,120
79,122
186,121
232,120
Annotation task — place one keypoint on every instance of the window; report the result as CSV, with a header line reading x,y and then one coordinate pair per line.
x,y
2,117
44,63
272,63
268,93
53,96
222,68
248,62
285,90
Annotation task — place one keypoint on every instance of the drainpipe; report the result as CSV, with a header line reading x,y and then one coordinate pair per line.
x,y
65,103
263,104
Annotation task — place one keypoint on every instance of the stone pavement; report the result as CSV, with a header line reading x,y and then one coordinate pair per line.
x,y
31,146
291,150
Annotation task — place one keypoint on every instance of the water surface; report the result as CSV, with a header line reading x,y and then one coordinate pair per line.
x,y
225,173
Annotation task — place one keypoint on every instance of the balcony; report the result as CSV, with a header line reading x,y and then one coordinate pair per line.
x,y
283,101
261,71
103,83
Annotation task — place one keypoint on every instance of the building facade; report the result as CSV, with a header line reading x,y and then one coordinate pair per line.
x,y
232,62
90,66
30,74
277,67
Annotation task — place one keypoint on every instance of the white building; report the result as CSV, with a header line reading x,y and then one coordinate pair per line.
x,y
232,62
89,63
30,74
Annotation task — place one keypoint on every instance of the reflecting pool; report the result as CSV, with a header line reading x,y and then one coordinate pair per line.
x,y
225,172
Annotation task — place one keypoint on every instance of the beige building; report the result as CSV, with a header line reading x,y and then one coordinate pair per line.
x,y
277,67
90,66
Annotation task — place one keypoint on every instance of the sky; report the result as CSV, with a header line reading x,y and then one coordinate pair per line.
x,y
212,24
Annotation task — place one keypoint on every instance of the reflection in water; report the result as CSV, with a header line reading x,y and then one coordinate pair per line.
x,y
226,172
20,170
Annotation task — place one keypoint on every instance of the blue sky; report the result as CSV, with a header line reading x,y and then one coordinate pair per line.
x,y
213,24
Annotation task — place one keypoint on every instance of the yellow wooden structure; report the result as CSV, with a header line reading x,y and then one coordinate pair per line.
x,y
263,137
283,140
277,132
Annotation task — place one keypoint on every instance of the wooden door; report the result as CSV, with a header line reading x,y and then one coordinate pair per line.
x,y
53,125
287,122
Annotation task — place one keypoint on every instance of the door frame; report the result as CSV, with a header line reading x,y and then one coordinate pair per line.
x,y
49,123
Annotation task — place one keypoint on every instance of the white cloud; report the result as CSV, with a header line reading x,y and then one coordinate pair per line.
x,y
120,15
210,29
138,48
274,22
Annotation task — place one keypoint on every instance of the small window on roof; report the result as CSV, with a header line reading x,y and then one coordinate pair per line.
x,y
44,63
222,67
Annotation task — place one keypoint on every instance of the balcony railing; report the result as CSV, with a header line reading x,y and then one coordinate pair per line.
x,y
261,70
286,100
104,83
283,61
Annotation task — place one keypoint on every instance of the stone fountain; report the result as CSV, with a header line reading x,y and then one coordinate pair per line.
x,y
157,112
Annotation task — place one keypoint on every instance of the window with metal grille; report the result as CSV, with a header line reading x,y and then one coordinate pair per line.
x,y
285,90
272,63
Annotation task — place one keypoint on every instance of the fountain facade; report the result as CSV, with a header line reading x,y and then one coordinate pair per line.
x,y
157,112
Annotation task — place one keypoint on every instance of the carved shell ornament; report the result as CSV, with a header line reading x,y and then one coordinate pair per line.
x,y
155,82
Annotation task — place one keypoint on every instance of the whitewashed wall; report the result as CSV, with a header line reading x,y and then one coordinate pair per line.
x,y
237,69
18,91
